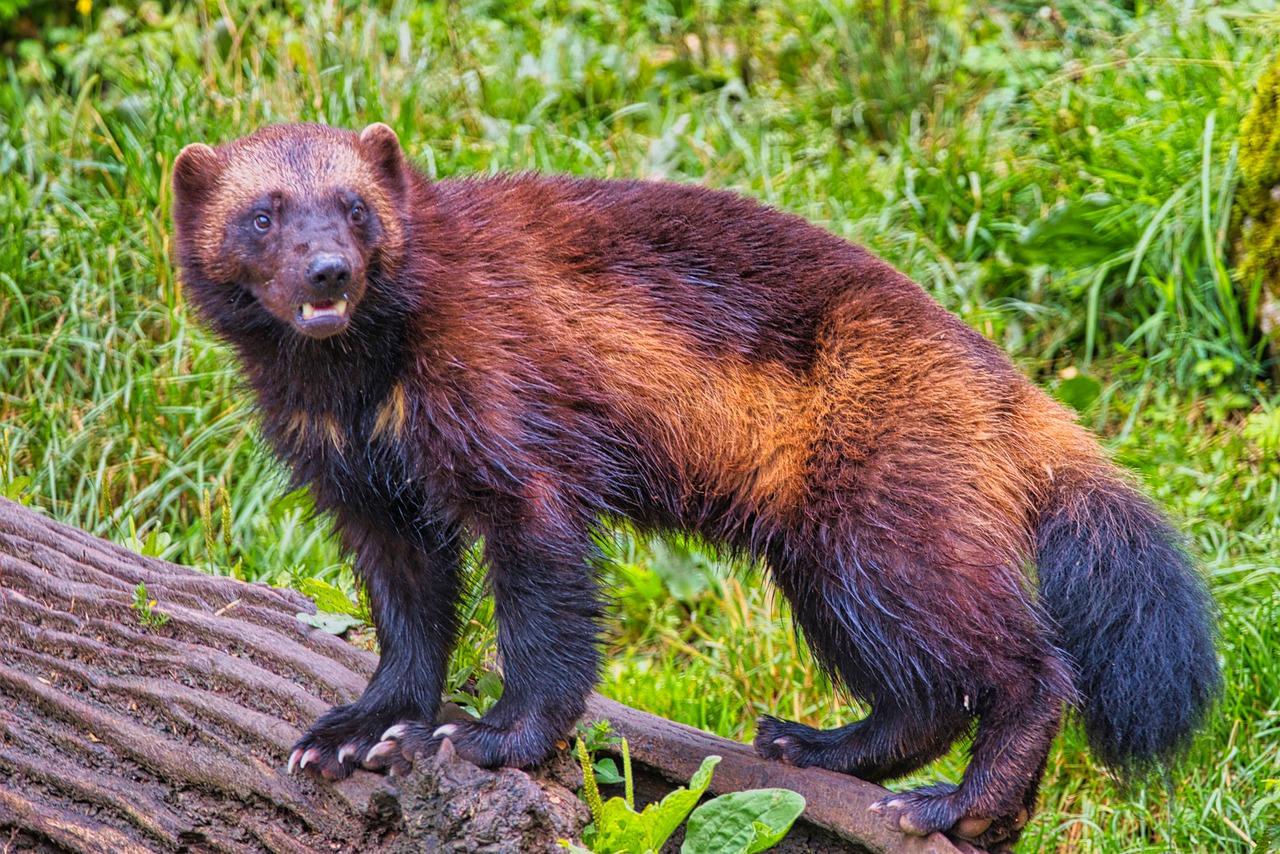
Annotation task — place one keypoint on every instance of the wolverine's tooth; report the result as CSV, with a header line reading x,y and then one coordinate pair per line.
x,y
308,311
340,307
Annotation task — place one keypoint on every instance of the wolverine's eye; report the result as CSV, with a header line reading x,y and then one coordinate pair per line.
x,y
357,213
262,222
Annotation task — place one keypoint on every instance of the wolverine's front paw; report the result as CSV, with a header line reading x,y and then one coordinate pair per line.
x,y
519,746
941,807
338,742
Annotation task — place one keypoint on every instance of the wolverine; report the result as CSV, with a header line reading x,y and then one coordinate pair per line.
x,y
520,359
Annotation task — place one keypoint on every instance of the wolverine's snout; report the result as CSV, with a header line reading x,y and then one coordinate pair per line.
x,y
328,273
327,295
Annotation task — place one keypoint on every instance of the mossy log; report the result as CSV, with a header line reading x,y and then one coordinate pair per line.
x,y
1256,218
126,734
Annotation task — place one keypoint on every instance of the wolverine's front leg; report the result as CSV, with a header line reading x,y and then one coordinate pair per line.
x,y
412,580
548,607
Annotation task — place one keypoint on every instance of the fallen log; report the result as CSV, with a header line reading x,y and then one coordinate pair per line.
x,y
124,729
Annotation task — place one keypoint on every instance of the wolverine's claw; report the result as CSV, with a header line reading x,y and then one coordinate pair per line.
x,y
381,749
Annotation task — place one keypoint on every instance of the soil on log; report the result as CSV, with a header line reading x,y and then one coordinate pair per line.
x,y
122,734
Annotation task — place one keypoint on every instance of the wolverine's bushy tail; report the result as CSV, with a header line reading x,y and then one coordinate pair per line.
x,y
1133,612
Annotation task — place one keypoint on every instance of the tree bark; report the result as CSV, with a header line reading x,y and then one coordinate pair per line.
x,y
123,734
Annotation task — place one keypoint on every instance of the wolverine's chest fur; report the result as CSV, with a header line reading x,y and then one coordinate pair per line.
x,y
351,454
304,429
404,454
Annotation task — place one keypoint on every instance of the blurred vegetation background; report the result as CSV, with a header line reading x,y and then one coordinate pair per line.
x,y
1065,177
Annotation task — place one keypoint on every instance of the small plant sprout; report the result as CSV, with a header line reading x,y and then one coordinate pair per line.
x,y
146,608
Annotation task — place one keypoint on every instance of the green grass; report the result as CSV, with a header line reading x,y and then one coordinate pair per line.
x,y
1063,182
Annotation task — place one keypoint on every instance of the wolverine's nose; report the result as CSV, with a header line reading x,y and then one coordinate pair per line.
x,y
328,272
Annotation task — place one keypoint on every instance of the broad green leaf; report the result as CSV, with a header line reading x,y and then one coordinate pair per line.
x,y
782,811
663,818
14,488
328,597
619,828
742,822
1079,392
607,772
702,777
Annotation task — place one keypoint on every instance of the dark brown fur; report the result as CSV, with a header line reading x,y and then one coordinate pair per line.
x,y
525,356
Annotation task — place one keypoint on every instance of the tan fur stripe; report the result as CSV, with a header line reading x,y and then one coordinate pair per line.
x,y
392,415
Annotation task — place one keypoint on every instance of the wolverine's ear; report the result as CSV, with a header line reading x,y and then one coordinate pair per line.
x,y
195,173
381,145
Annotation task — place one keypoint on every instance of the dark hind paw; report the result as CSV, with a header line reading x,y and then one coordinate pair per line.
x,y
338,742
941,808
842,749
777,740
785,741
474,740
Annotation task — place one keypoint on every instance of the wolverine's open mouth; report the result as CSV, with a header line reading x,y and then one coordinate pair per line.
x,y
324,308
322,318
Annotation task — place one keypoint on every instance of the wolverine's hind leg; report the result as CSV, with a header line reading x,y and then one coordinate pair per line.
x,y
997,794
930,647
896,737
887,743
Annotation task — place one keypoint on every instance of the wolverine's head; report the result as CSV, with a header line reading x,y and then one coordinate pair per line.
x,y
292,218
